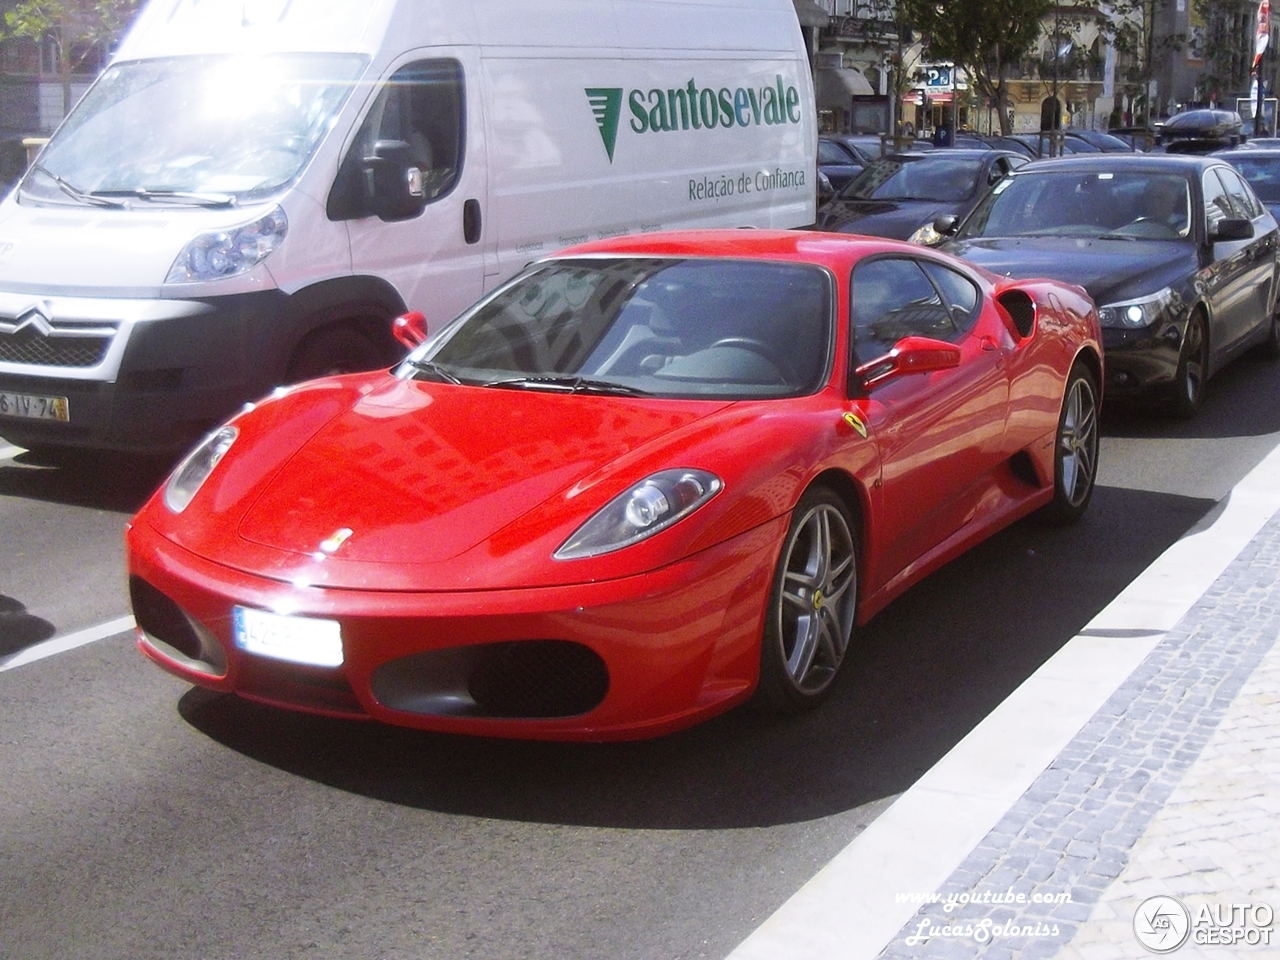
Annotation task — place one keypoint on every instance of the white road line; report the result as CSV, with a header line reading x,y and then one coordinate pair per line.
x,y
850,909
62,644
8,451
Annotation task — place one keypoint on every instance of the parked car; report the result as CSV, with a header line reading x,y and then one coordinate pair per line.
x,y
900,196
1177,251
642,482
1261,167
837,162
1105,142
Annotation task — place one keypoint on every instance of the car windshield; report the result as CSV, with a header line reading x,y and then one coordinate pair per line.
x,y
194,129
1263,174
696,328
944,178
1076,203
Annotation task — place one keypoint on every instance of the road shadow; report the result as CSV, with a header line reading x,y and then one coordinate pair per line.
x,y
921,675
116,482
1239,402
20,629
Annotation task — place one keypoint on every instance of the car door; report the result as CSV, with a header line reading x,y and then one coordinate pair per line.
x,y
1259,259
1232,274
941,434
433,256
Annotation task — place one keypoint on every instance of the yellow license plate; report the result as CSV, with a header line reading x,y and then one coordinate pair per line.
x,y
29,406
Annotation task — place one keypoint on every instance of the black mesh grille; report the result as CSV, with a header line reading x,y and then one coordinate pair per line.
x,y
161,618
30,346
538,678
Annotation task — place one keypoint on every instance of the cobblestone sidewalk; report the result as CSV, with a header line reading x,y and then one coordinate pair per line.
x,y
1172,788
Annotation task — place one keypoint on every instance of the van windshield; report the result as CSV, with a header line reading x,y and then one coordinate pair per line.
x,y
215,129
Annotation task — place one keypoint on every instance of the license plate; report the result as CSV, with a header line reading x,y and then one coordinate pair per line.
x,y
317,643
33,407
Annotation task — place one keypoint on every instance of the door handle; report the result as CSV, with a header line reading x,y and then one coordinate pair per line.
x,y
471,222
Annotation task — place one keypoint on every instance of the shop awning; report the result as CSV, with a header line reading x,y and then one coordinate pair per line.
x,y
834,88
810,14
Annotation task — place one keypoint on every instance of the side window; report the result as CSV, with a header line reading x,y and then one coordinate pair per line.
x,y
421,105
1217,204
891,299
958,293
1241,196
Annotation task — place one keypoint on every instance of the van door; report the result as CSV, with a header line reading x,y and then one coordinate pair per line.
x,y
413,185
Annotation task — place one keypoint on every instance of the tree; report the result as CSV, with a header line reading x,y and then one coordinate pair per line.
x,y
1133,28
75,28
985,38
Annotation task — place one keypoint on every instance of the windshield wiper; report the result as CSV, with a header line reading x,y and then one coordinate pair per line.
x,y
172,196
75,193
570,385
430,366
1118,236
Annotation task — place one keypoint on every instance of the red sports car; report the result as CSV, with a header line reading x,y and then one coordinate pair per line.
x,y
646,480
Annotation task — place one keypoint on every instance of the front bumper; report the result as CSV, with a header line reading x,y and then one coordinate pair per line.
x,y
142,375
622,659
1142,363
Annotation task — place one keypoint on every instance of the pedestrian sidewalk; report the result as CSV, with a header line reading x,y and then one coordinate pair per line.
x,y
1151,827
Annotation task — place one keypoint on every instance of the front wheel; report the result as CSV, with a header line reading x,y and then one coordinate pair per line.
x,y
1193,369
1075,455
811,606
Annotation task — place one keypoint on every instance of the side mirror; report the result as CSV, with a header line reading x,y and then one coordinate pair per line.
x,y
396,184
825,190
1231,229
909,355
946,224
410,329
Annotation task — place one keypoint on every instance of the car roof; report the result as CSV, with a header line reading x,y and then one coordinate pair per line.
x,y
1184,163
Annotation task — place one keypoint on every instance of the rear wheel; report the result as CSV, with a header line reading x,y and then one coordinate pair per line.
x,y
1075,456
332,350
1193,368
812,604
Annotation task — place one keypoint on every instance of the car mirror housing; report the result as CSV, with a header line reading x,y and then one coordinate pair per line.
x,y
946,224
909,355
1231,229
410,329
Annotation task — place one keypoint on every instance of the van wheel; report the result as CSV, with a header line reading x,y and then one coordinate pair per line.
x,y
812,605
330,351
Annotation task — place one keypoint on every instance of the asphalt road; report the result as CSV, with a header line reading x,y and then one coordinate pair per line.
x,y
140,818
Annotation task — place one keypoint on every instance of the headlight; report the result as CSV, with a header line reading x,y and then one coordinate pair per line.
x,y
1134,314
653,504
195,469
228,253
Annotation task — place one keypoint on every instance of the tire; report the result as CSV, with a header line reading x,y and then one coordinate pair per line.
x,y
1075,448
812,605
1193,369
1269,349
329,351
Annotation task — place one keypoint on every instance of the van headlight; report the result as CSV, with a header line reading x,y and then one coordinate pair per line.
x,y
195,469
1138,313
229,253
653,504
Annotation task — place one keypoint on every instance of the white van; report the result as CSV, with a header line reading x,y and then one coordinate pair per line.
x,y
254,188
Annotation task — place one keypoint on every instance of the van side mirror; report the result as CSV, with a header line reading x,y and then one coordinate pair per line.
x,y
395,182
1231,229
909,355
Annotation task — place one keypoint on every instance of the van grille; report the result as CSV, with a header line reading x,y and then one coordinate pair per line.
x,y
64,345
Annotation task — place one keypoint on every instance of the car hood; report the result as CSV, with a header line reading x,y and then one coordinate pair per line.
x,y
892,219
1109,270
410,485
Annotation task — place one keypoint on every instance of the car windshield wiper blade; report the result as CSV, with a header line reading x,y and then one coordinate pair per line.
x,y
75,193
430,366
1118,236
570,385
172,196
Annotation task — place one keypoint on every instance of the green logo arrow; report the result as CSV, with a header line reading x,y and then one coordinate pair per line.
x,y
606,104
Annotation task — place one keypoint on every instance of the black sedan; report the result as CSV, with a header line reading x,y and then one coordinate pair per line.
x,y
1177,251
900,196
838,162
